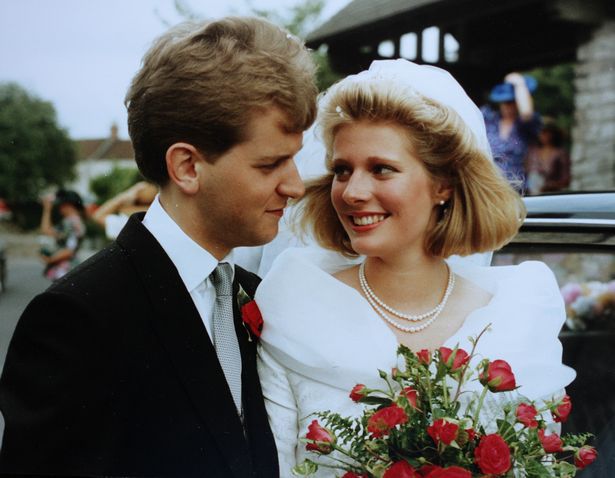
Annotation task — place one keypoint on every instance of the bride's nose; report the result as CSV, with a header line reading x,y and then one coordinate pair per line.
x,y
358,189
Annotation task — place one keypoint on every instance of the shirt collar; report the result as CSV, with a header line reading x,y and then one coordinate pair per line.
x,y
193,262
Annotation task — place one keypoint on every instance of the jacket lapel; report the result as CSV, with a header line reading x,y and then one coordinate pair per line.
x,y
181,330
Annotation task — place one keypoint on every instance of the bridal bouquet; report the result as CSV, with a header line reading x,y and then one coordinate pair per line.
x,y
421,425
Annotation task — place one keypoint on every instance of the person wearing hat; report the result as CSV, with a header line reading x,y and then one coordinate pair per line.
x,y
66,236
514,126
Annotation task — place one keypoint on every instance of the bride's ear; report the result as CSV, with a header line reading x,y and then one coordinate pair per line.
x,y
442,192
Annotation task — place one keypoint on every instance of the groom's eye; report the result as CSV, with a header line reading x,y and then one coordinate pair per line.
x,y
273,165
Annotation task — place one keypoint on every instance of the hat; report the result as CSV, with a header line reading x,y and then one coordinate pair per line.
x,y
64,196
506,91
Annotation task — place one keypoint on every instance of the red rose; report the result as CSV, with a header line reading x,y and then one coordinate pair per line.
x,y
550,443
350,474
358,392
425,470
442,431
424,356
526,414
562,410
498,376
252,317
450,472
381,422
453,362
586,455
411,395
400,469
321,435
492,455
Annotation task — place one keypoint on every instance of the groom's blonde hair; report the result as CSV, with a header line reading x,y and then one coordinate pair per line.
x,y
483,213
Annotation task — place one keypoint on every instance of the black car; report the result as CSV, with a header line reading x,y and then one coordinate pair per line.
x,y
574,234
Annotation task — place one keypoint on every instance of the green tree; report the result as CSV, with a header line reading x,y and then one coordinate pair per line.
x,y
111,184
35,152
555,94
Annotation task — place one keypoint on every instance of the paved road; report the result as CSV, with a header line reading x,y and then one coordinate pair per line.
x,y
24,281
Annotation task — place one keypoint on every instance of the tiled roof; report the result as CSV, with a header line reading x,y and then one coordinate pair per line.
x,y
104,148
361,12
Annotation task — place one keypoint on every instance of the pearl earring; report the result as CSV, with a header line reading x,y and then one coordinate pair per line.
x,y
441,202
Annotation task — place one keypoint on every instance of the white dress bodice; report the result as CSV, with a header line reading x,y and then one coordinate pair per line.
x,y
321,337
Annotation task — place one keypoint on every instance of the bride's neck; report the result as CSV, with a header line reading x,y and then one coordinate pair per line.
x,y
409,280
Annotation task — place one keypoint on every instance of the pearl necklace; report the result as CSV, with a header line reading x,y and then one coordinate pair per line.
x,y
382,308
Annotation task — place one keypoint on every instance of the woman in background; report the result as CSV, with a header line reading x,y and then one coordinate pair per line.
x,y
514,126
60,253
548,163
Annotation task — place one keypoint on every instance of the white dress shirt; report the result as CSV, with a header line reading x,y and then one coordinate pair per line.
x,y
193,263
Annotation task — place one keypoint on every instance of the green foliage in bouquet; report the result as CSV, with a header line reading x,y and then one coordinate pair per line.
x,y
422,425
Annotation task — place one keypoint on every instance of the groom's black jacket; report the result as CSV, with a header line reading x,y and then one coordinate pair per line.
x,y
111,372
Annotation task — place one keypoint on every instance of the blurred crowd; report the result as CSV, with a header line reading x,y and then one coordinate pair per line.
x,y
529,149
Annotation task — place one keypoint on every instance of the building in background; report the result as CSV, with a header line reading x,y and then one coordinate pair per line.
x,y
99,156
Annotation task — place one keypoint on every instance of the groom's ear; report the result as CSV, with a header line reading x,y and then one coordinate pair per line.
x,y
182,160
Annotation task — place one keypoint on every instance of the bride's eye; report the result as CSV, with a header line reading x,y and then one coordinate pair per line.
x,y
383,169
341,171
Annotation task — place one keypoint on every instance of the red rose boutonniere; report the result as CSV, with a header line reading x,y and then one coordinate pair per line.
x,y
250,315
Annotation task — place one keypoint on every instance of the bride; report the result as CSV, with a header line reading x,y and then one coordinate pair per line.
x,y
410,183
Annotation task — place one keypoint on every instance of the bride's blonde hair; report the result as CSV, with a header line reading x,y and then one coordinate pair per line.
x,y
483,213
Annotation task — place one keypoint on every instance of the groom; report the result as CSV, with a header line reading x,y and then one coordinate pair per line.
x,y
138,362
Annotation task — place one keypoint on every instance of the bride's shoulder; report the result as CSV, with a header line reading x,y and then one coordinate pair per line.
x,y
348,276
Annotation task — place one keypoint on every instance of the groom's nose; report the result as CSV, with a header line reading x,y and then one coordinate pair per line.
x,y
291,184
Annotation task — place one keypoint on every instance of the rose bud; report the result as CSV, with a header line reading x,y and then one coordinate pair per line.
x,y
453,362
450,472
443,431
584,456
322,437
550,443
526,414
424,356
411,395
358,392
492,455
562,410
465,436
498,376
251,315
381,422
400,469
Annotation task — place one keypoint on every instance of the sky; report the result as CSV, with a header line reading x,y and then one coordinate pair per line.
x,y
81,54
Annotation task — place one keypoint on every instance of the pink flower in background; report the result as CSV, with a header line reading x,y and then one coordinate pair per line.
x,y
570,292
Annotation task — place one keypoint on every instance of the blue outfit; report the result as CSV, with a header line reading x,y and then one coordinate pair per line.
x,y
509,154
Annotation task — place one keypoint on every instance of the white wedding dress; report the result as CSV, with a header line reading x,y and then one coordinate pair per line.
x,y
321,337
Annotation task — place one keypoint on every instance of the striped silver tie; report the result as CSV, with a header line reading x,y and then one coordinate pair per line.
x,y
225,338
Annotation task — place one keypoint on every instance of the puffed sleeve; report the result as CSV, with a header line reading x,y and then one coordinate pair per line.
x,y
281,408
